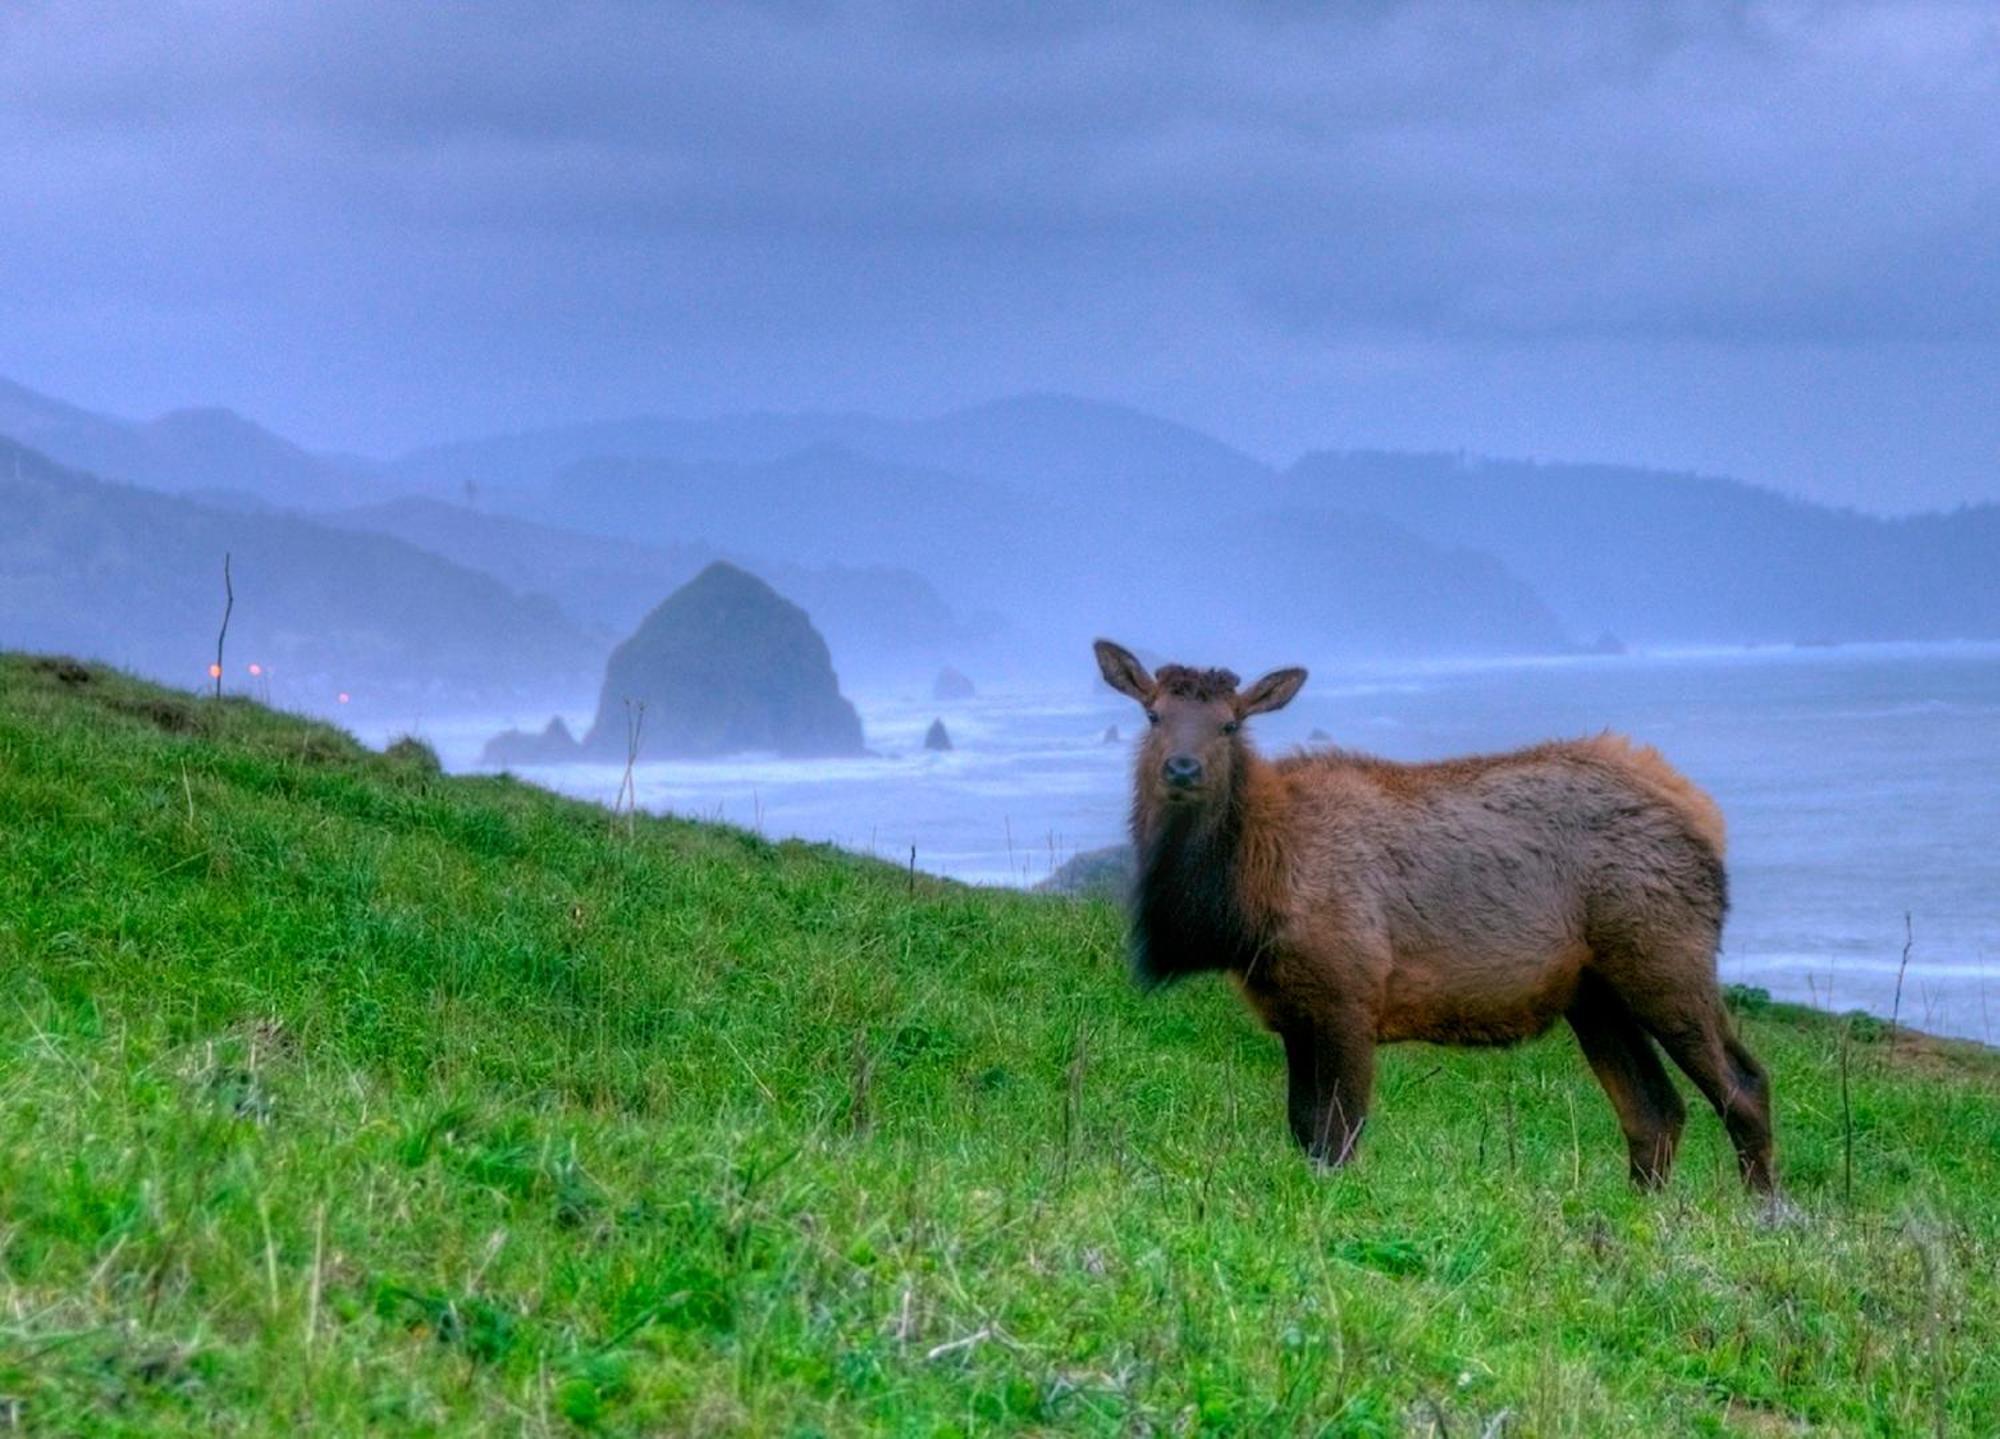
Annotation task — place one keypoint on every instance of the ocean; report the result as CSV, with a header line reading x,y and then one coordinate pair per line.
x,y
1861,784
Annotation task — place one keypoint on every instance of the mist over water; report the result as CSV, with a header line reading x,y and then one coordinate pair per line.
x,y
1859,783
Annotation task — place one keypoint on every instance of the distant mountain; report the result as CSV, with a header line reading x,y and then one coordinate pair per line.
x,y
1066,516
1058,444
605,583
132,576
877,618
531,459
820,506
1679,558
1323,584
1204,563
1038,445
207,450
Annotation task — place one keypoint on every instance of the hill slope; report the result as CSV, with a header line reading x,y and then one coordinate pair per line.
x,y
1215,579
336,1094
1682,558
205,449
1037,444
874,617
135,577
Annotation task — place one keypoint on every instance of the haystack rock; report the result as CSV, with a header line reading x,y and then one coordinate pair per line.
x,y
937,736
951,684
724,664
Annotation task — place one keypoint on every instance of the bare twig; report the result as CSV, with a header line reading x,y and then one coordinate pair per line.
x,y
228,605
628,787
1896,1009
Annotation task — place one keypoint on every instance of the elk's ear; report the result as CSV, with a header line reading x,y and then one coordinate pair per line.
x,y
1122,671
1273,692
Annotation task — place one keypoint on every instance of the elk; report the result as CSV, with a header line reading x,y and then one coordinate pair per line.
x,y
1357,902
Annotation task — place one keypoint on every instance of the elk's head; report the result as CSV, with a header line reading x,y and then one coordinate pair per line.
x,y
1192,745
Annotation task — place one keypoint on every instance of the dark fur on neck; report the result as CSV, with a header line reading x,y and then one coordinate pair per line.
x,y
1187,909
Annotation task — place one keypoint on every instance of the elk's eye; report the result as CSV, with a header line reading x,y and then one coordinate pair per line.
x,y
1152,717
1231,727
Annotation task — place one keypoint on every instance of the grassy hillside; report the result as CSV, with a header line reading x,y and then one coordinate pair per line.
x,y
337,1094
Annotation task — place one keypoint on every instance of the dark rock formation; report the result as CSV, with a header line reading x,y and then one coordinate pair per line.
x,y
950,684
937,737
724,664
1319,736
553,745
1111,734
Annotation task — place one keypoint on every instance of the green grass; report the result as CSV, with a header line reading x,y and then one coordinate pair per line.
x,y
338,1095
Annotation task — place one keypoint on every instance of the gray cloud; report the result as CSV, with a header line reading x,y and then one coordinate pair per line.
x,y
606,204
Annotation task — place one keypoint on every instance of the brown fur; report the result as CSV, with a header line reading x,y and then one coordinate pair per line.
x,y
1357,901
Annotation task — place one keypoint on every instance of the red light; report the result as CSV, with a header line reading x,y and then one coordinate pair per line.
x,y
256,669
215,672
344,696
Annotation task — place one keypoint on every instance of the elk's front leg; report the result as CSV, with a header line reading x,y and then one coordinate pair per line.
x,y
1331,1076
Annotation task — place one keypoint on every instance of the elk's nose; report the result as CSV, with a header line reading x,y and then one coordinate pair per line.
x,y
1183,771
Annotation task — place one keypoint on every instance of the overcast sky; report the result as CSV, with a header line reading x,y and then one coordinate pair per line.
x,y
1750,239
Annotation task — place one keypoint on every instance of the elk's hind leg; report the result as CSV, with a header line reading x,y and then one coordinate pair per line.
x,y
1694,1031
1649,1108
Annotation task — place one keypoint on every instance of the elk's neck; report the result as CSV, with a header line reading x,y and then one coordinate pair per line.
x,y
1190,909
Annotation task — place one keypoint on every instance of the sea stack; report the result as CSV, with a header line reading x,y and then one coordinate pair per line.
x,y
951,684
725,664
937,737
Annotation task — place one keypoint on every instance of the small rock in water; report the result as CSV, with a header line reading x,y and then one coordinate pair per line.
x,y
1318,736
951,684
1111,734
937,737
